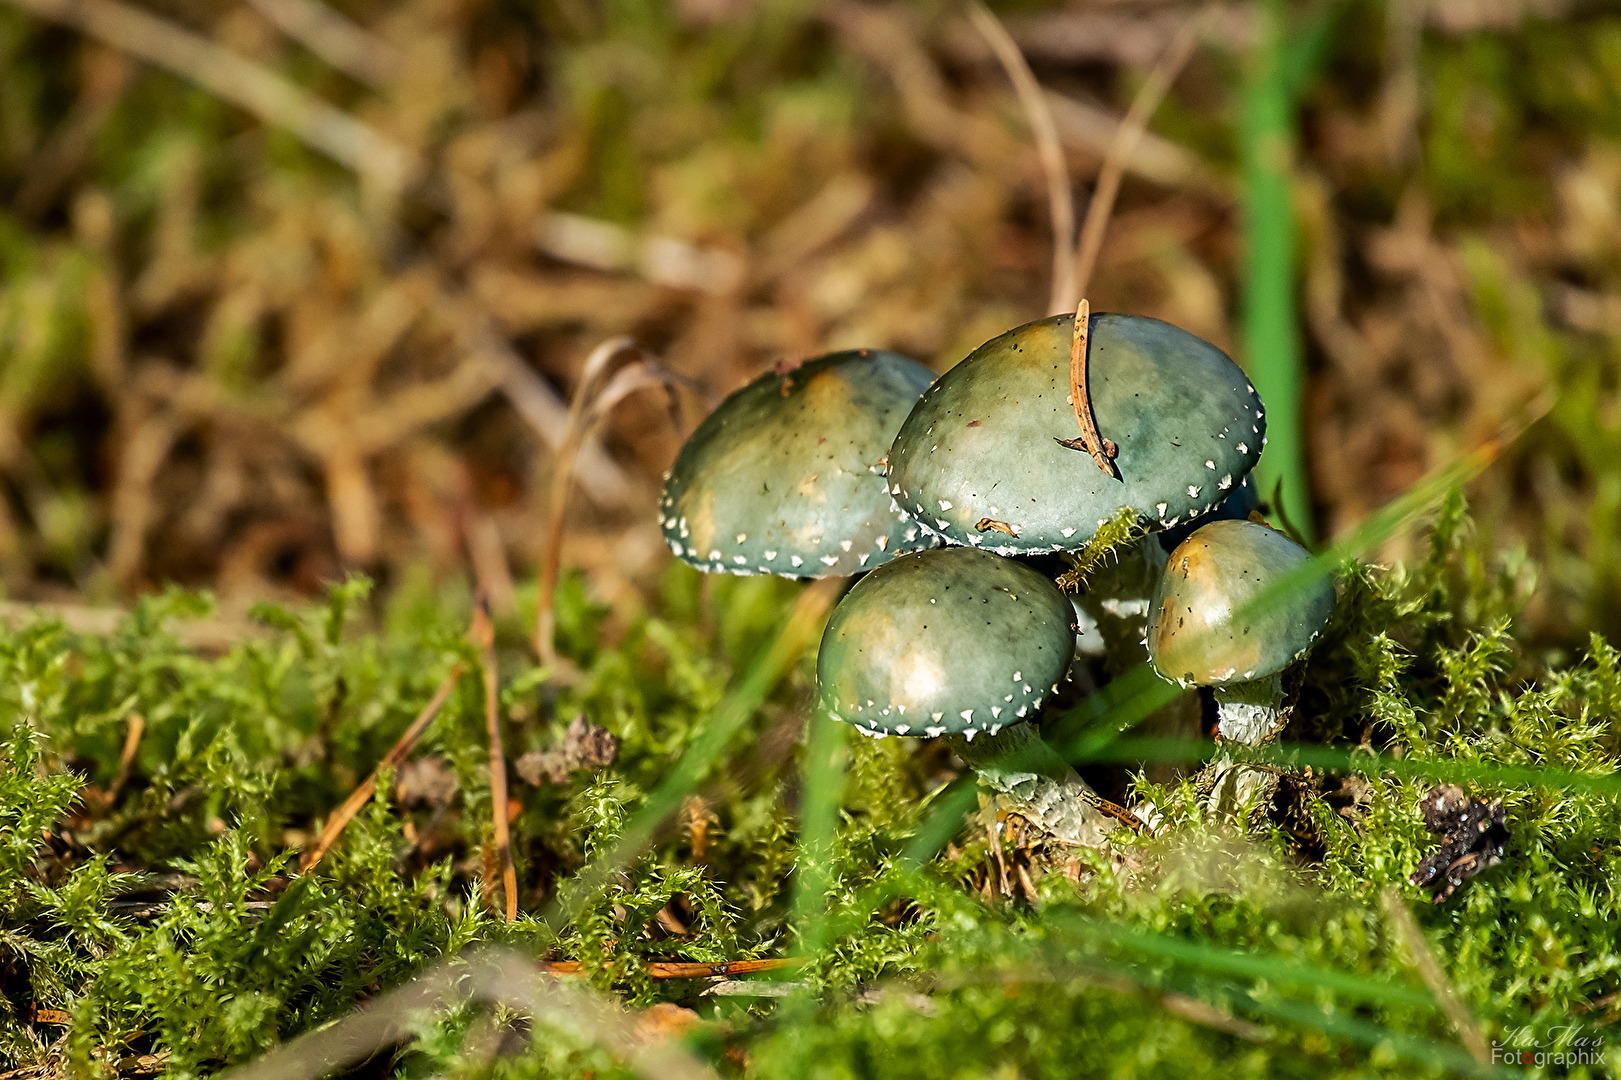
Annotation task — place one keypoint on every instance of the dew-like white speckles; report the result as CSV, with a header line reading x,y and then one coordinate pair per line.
x,y
902,729
967,714
1018,676
1022,710
996,710
739,560
934,732
1193,491
883,543
938,716
969,733
945,504
1067,531
1263,440
770,556
1025,687
741,537
1209,464
829,560
975,539
911,534
796,560
994,729
865,555
1242,449
714,555
1161,507
941,524
1225,482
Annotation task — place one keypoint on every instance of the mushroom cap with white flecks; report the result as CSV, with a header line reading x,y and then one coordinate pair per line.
x,y
784,477
951,641
981,442
1207,626
1237,506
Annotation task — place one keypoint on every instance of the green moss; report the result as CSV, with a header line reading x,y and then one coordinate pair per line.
x,y
170,921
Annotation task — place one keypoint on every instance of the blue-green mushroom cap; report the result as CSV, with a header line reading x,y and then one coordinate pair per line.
x,y
951,641
978,461
1244,499
1205,630
785,477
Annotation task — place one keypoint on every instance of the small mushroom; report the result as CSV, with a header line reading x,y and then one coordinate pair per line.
x,y
962,643
785,476
1205,629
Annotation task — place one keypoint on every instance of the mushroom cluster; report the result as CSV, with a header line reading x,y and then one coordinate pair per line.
x,y
860,461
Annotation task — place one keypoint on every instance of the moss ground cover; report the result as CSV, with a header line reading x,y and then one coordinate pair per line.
x,y
162,922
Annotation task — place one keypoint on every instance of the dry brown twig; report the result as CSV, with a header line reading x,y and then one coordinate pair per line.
x,y
132,742
1102,450
491,975
213,635
483,635
396,754
1124,146
343,44
1060,196
1429,969
273,99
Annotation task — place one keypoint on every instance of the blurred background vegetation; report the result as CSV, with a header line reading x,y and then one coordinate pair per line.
x,y
289,289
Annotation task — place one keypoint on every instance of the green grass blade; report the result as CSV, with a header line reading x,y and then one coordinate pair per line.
x,y
798,632
1271,338
822,777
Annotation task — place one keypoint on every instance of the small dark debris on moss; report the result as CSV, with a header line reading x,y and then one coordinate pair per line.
x,y
1474,835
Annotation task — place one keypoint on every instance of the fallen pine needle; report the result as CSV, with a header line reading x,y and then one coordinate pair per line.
x,y
668,969
483,635
396,754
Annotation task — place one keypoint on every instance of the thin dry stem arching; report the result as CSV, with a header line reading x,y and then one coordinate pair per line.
x,y
1060,195
597,393
1124,144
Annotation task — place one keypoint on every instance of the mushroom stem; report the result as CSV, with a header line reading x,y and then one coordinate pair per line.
x,y
1250,712
1247,713
1038,783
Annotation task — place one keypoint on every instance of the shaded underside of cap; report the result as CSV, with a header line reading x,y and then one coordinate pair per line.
x,y
1199,630
980,446
945,642
783,477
